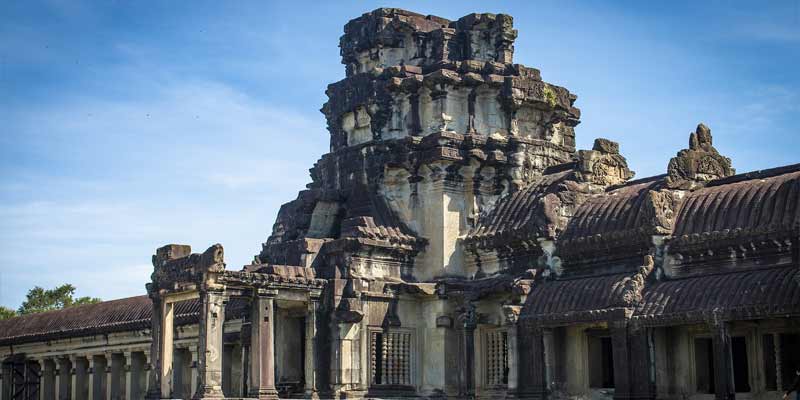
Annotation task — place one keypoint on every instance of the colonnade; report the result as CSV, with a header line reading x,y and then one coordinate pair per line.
x,y
88,376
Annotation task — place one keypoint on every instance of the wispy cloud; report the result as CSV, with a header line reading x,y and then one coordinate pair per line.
x,y
194,162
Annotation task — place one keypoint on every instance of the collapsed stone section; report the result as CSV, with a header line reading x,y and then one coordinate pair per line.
x,y
411,75
390,37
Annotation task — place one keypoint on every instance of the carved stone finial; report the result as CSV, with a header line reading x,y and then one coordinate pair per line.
x,y
692,168
603,165
212,260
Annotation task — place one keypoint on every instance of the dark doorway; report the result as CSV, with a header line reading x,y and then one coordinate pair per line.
x,y
770,370
601,362
741,372
704,365
790,357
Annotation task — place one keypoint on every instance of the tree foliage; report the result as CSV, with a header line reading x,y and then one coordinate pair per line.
x,y
39,299
6,313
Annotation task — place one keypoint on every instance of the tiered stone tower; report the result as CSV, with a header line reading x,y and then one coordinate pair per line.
x,y
433,122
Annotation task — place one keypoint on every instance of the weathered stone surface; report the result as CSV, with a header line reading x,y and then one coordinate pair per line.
x,y
699,164
454,244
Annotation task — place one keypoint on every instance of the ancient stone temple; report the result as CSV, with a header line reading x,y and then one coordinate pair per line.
x,y
455,244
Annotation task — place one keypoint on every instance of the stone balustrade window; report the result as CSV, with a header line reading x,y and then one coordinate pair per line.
x,y
496,356
390,357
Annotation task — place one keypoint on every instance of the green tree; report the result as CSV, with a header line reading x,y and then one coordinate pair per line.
x,y
40,299
6,313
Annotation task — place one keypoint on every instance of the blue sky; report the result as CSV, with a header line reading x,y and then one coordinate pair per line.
x,y
128,125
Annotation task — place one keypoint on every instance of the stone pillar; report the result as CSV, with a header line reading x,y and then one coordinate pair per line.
x,y
212,317
245,339
262,362
108,380
56,379
93,378
161,349
469,320
45,379
127,371
621,355
511,314
74,378
513,359
641,367
549,346
194,365
723,361
310,351
147,370
776,339
532,383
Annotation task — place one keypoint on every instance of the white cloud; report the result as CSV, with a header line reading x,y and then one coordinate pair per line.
x,y
192,162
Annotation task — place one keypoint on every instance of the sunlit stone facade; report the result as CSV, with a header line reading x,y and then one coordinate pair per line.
x,y
455,244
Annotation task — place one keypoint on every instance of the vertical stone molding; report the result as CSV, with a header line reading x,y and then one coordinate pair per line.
x,y
262,362
195,368
310,349
162,331
532,383
212,317
127,372
110,375
723,361
469,322
621,356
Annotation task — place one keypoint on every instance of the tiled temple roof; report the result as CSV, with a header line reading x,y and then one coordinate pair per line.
x,y
586,298
132,313
758,205
519,214
615,213
756,293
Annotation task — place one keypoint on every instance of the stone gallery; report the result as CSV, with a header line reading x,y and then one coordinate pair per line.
x,y
454,244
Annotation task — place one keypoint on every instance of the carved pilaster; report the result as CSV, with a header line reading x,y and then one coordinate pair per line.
x,y
262,362
311,348
212,317
469,321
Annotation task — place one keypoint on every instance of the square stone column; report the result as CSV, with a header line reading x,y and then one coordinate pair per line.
x,y
162,330
56,378
194,365
723,361
469,321
532,384
127,372
549,346
74,378
44,379
108,381
310,350
96,374
147,370
262,362
212,317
